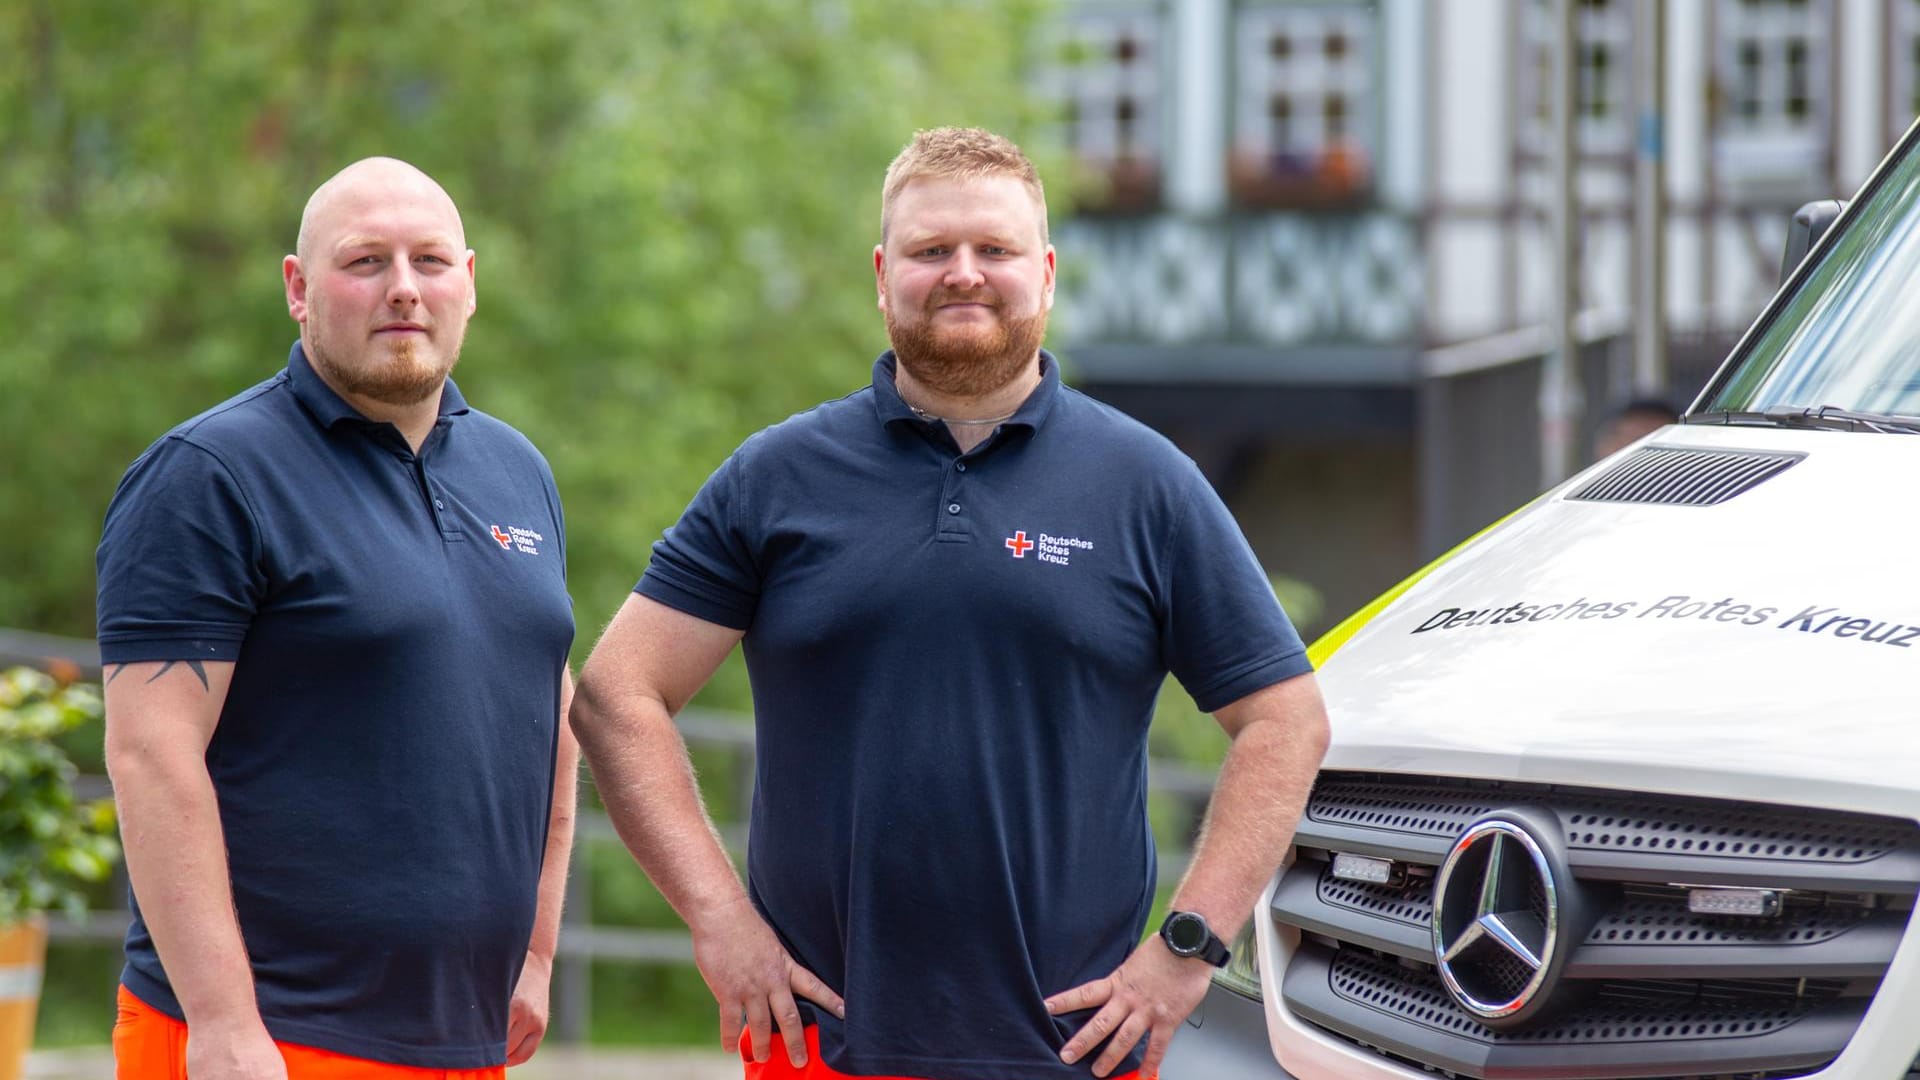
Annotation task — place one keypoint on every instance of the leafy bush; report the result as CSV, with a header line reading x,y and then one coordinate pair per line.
x,y
674,208
50,844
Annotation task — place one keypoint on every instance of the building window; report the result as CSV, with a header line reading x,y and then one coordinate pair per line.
x,y
1304,103
1771,78
1107,79
1603,75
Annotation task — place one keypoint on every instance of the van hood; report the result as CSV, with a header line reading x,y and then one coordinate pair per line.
x,y
1764,648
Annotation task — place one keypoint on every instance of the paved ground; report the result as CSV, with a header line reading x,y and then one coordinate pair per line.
x,y
552,1063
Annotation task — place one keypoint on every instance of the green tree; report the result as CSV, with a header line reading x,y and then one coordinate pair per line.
x,y
673,206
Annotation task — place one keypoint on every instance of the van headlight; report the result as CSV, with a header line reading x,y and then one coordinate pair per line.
x,y
1242,972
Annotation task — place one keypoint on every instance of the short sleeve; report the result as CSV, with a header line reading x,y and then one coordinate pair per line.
x,y
179,563
1222,632
704,565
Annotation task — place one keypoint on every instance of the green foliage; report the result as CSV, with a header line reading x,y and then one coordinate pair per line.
x,y
76,998
50,844
652,1006
1304,603
673,208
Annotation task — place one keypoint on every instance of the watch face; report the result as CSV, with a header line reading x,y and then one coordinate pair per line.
x,y
1186,933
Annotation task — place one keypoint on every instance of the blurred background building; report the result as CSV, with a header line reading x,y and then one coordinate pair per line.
x,y
1319,255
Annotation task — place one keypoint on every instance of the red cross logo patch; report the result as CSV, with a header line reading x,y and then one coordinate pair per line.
x,y
503,539
1019,543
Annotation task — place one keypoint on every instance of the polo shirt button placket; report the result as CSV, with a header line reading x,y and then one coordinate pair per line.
x,y
434,502
436,506
950,521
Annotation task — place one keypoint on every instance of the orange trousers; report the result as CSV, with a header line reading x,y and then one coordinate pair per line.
x,y
150,1045
777,1067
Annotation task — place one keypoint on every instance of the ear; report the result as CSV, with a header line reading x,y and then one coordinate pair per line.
x,y
880,274
473,292
1046,291
296,283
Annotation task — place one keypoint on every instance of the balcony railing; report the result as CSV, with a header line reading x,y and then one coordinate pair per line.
x,y
1267,280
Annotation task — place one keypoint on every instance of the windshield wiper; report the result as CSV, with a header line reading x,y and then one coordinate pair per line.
x,y
1829,417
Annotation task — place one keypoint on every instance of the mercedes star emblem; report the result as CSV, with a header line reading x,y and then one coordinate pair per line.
x,y
1496,921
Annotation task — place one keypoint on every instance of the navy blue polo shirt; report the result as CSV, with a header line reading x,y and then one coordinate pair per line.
x,y
954,660
399,624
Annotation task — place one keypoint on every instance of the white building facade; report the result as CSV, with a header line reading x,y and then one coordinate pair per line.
x,y
1323,226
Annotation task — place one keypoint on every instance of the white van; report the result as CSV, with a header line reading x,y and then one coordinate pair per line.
x,y
1626,786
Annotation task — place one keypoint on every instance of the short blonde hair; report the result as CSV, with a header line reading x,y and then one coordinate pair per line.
x,y
955,153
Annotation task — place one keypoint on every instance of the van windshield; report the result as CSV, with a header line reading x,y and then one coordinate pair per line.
x,y
1849,338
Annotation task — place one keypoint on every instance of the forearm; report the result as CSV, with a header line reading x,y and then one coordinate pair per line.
x,y
1279,735
559,853
646,782
1257,802
176,860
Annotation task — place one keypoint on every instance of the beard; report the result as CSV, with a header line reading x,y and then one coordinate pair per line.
x,y
969,362
408,375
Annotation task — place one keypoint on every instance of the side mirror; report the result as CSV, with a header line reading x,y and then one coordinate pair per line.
x,y
1809,224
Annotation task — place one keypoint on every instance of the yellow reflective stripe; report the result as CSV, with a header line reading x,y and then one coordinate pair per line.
x,y
1329,643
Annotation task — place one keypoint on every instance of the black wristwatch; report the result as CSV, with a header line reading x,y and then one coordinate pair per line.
x,y
1187,934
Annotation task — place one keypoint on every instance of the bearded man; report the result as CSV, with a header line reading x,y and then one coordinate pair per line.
x,y
334,618
960,591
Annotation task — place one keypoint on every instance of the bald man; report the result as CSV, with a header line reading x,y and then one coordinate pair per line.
x,y
334,622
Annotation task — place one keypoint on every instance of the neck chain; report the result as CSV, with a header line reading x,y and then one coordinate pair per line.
x,y
950,422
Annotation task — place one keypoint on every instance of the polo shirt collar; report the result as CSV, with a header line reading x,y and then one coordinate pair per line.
x,y
330,408
892,408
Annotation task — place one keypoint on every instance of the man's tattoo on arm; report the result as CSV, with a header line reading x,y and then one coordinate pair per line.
x,y
194,666
117,669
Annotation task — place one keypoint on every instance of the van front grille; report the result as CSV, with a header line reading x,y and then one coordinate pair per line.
x,y
1649,989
